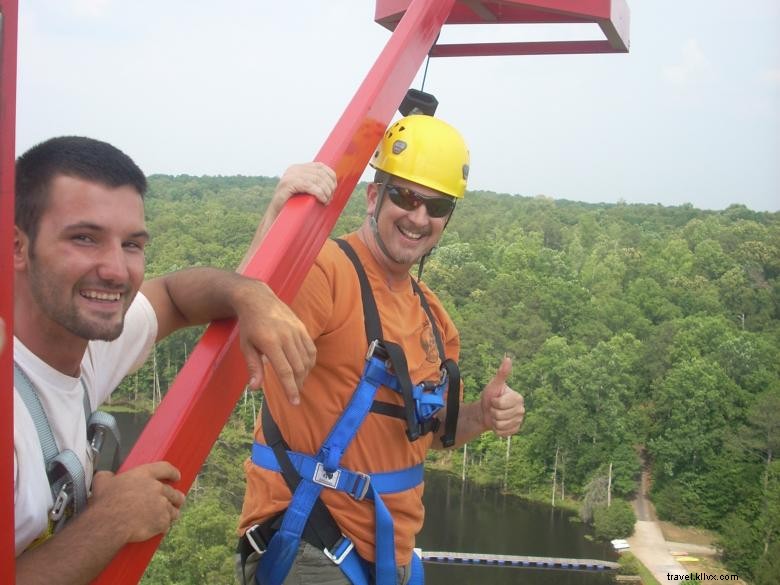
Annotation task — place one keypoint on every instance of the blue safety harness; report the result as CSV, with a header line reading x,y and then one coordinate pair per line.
x,y
307,475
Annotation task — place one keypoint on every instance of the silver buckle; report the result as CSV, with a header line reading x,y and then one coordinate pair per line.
x,y
98,438
60,504
251,539
337,560
322,477
366,485
371,349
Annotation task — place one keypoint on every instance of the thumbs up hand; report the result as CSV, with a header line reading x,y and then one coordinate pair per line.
x,y
503,409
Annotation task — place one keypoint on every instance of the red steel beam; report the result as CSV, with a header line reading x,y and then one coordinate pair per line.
x,y
204,393
8,33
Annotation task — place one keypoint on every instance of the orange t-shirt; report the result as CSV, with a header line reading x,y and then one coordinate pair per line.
x,y
330,306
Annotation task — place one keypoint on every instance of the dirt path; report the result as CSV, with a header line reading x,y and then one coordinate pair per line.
x,y
648,543
642,506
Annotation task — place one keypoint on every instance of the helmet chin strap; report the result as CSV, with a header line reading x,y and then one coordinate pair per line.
x,y
422,263
373,221
375,229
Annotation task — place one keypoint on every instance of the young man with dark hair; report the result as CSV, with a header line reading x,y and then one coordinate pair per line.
x,y
83,319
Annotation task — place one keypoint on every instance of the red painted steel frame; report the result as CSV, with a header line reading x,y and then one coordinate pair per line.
x,y
612,16
205,391
8,31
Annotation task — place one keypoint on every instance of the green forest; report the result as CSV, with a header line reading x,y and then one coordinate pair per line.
x,y
643,337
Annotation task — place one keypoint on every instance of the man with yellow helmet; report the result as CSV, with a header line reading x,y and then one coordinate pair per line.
x,y
431,156
334,483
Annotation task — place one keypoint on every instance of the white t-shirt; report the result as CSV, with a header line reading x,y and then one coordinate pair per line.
x,y
104,366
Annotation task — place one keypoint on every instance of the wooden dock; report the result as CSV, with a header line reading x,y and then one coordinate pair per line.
x,y
520,562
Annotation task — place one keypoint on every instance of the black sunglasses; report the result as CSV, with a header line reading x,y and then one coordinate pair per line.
x,y
409,199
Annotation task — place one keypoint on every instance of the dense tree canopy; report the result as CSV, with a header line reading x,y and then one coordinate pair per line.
x,y
635,329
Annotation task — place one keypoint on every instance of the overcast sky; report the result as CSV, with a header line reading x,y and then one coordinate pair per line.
x,y
690,115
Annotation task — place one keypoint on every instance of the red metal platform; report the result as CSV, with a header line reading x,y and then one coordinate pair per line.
x,y
612,16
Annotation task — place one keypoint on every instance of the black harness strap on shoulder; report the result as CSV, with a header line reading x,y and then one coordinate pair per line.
x,y
374,332
427,308
370,313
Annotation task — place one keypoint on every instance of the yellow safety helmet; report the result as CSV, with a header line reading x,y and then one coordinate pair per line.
x,y
426,151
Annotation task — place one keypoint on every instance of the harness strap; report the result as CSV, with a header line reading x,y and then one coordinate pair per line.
x,y
389,409
66,475
98,424
398,360
355,484
324,528
64,470
283,546
29,395
373,328
397,411
427,308
453,376
453,403
370,314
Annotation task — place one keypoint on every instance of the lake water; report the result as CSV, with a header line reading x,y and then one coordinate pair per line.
x,y
465,517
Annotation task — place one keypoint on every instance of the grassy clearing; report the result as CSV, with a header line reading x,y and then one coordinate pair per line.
x,y
687,534
630,565
707,563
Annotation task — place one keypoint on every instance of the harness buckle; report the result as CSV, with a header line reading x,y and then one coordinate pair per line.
x,y
375,348
361,486
341,549
428,386
60,504
98,438
328,479
250,538
96,444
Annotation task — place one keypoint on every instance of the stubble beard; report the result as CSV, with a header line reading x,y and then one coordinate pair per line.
x,y
399,256
404,257
67,315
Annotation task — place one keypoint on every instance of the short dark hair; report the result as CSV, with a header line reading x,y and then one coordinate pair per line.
x,y
72,156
